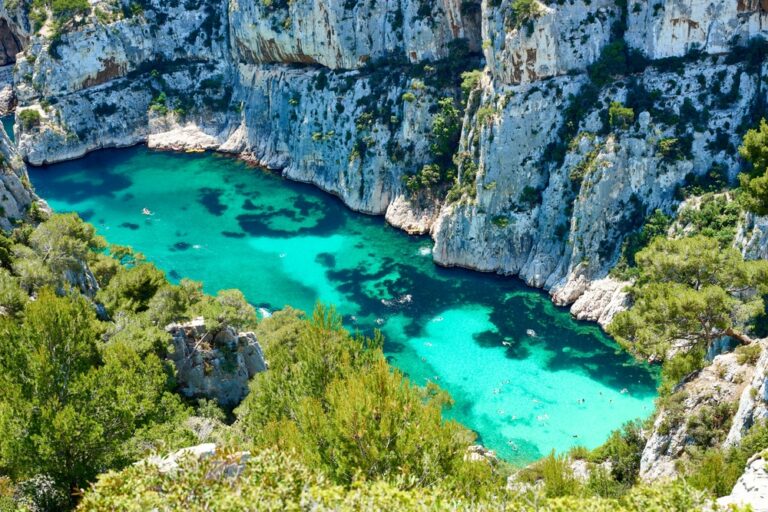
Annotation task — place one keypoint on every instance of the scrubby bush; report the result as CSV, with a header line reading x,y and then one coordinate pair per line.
x,y
620,117
29,118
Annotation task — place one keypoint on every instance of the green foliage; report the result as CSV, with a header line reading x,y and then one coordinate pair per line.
x,y
63,10
716,470
615,60
54,252
131,289
716,216
669,149
522,12
29,118
748,354
446,129
711,423
713,473
656,225
619,116
714,180
555,472
333,400
276,481
754,183
69,409
229,307
623,449
469,82
689,290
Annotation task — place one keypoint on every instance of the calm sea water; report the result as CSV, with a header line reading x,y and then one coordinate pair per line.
x,y
524,375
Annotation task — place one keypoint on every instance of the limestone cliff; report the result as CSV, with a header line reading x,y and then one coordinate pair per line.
x,y
344,94
699,413
215,363
16,194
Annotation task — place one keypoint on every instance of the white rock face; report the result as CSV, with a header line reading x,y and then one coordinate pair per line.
x,y
569,234
16,194
751,488
753,403
672,28
343,34
752,237
601,301
562,38
329,136
216,364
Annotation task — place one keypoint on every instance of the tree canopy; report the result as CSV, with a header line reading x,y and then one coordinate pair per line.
x,y
689,292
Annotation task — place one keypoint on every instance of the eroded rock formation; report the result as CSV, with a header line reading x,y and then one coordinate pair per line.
x,y
215,363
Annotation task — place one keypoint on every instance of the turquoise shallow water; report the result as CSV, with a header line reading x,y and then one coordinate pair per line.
x,y
524,375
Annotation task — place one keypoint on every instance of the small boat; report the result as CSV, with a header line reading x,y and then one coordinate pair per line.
x,y
531,333
146,211
265,313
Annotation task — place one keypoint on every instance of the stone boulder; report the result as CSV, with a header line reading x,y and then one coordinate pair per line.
x,y
228,465
751,488
215,364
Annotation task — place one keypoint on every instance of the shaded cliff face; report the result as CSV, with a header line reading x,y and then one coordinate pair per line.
x,y
16,194
345,94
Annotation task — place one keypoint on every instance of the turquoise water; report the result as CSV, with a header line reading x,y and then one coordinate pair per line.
x,y
221,222
8,126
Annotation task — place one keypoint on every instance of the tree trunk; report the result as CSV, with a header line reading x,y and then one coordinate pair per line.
x,y
740,336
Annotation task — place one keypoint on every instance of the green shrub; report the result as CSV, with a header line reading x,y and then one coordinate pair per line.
x,y
522,12
748,354
29,118
619,116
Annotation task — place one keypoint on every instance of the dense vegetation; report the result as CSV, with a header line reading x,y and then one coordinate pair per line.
x,y
276,481
88,388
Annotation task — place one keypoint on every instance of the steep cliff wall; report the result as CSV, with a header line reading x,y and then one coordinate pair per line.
x,y
16,194
345,94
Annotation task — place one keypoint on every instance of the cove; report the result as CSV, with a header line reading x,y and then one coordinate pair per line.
x,y
525,376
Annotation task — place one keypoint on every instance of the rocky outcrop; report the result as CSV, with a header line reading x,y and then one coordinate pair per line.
x,y
751,489
752,237
600,300
16,194
347,35
228,465
717,385
753,403
673,28
558,224
215,363
562,38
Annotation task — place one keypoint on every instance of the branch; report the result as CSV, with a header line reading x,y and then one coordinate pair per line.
x,y
740,336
